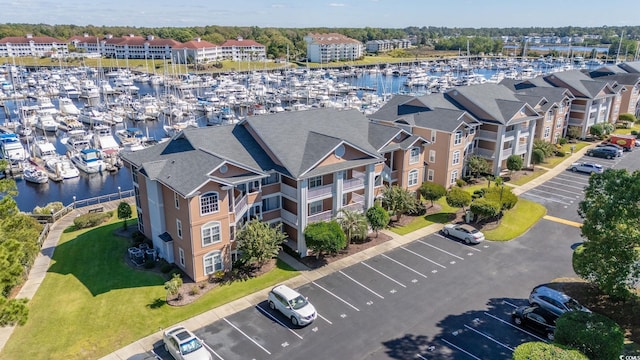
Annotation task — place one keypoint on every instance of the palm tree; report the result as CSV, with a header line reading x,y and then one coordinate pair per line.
x,y
398,199
354,225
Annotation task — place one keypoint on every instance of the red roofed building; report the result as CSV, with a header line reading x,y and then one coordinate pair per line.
x,y
30,45
195,51
243,50
323,48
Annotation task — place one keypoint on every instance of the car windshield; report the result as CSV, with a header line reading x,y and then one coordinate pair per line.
x,y
572,304
298,303
190,346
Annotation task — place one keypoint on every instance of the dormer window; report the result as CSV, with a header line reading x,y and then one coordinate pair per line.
x,y
457,140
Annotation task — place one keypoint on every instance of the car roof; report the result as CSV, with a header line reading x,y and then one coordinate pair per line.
x,y
468,227
180,333
545,290
286,292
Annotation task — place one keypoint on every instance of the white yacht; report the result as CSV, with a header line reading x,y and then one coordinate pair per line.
x,y
34,175
89,160
43,149
11,148
76,140
45,122
132,139
62,167
68,123
69,90
89,90
103,138
67,107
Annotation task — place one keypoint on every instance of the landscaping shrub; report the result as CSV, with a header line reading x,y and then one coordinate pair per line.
x,y
91,220
478,193
484,209
417,210
634,132
460,183
560,154
503,196
543,351
537,157
595,335
562,141
194,290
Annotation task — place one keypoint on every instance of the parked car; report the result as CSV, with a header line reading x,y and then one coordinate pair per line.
x,y
464,232
554,301
587,167
619,149
182,344
603,152
292,304
537,319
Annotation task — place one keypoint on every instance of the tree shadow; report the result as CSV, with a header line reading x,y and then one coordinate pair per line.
x,y
97,259
456,330
157,303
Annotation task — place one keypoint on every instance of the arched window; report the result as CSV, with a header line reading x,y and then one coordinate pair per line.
x,y
212,262
413,178
208,203
210,233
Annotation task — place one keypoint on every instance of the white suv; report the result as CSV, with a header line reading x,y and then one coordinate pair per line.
x,y
554,301
291,304
182,344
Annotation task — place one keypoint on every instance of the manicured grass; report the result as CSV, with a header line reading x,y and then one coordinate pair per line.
x,y
517,221
91,303
635,127
526,178
566,148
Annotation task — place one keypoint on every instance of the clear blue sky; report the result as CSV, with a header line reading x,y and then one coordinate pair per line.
x,y
325,13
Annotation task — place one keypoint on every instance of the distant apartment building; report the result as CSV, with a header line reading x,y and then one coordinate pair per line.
x,y
379,46
324,48
243,50
29,45
195,51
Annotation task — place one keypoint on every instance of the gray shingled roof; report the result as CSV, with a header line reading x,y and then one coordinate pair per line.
x,y
630,67
448,120
389,110
496,102
381,134
579,84
620,78
301,139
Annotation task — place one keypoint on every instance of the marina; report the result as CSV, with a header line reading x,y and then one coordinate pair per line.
x,y
130,111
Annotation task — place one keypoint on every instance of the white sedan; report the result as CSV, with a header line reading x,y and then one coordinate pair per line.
x,y
464,232
586,167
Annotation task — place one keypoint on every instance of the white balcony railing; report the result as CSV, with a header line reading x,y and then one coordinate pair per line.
x,y
240,205
289,217
487,135
507,152
319,191
355,206
321,216
353,183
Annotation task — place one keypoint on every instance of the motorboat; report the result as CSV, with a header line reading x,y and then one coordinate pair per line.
x,y
67,107
63,167
76,140
68,123
11,148
103,138
45,122
89,160
132,139
43,149
34,175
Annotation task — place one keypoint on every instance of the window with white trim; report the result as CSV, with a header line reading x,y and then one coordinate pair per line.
x,y
181,256
179,228
549,116
212,262
433,136
412,178
210,233
315,182
208,203
559,123
547,131
271,203
432,156
454,177
176,200
457,138
414,155
272,179
430,175
315,207
455,159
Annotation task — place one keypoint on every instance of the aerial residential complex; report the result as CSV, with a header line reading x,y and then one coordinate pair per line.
x,y
196,191
324,48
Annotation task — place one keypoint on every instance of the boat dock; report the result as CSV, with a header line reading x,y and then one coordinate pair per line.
x,y
40,164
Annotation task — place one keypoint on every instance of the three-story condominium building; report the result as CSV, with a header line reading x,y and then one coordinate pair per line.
x,y
30,45
196,191
323,48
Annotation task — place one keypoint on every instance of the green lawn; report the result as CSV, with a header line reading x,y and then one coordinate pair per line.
x,y
514,223
526,178
91,303
566,148
635,127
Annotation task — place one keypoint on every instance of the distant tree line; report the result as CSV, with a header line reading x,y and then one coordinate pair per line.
x,y
283,41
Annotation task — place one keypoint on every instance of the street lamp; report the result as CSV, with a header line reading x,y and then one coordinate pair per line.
x,y
74,201
119,193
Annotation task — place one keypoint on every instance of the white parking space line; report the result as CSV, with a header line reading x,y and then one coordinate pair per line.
x,y
444,251
566,181
515,327
574,192
361,284
421,357
335,296
278,321
424,257
325,319
488,337
405,266
510,304
385,275
247,336
531,194
562,197
211,350
460,349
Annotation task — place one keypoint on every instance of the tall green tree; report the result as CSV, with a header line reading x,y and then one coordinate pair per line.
x,y
259,242
124,213
610,257
325,237
354,225
514,163
432,191
398,200
377,217
477,165
459,198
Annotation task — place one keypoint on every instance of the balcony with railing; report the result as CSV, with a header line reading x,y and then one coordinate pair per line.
x,y
487,135
289,217
356,182
289,191
319,191
321,216
507,152
240,205
486,153
575,121
521,149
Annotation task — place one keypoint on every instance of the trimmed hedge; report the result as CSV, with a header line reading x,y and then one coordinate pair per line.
x,y
542,351
91,220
